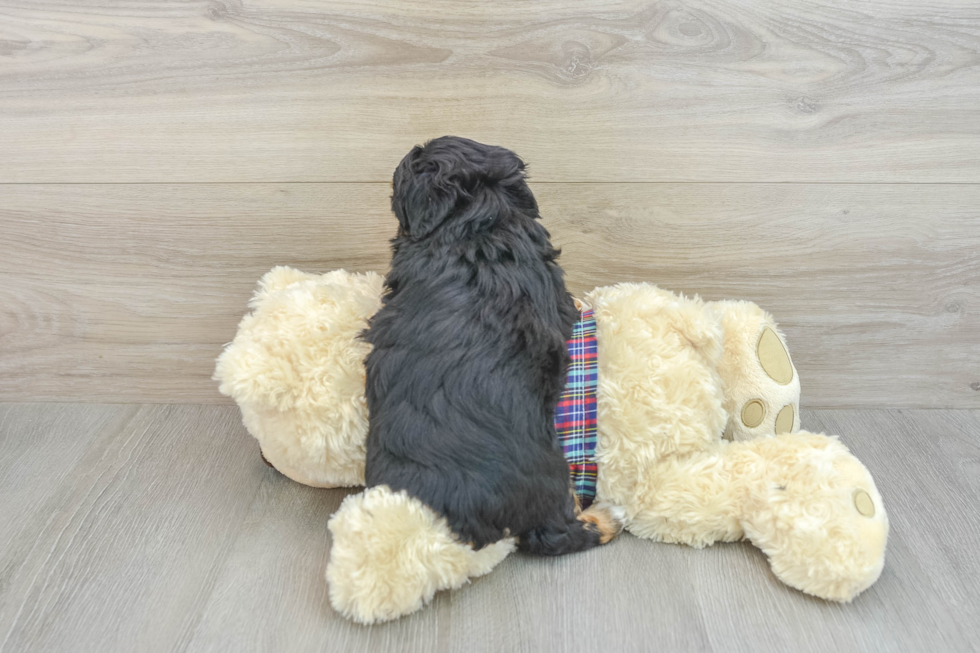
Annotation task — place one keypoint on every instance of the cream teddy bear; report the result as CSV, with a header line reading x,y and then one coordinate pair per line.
x,y
697,419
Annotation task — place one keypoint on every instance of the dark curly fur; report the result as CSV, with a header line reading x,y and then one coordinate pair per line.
x,y
469,354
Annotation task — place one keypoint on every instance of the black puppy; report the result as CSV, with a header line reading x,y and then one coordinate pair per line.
x,y
469,355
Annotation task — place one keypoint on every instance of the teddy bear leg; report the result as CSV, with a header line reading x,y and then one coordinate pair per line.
x,y
813,508
391,553
687,500
803,499
762,387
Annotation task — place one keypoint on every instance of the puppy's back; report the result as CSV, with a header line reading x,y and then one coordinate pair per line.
x,y
469,355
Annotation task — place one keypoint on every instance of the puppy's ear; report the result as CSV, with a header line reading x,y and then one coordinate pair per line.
x,y
423,196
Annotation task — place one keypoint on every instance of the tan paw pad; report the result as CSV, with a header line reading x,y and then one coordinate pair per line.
x,y
785,419
863,503
753,412
773,357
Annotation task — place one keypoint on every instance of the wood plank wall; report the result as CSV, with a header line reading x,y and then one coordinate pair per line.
x,y
820,158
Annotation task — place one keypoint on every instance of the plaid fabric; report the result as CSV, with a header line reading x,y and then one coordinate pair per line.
x,y
575,417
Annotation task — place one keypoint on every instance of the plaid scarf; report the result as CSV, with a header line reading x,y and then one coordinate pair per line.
x,y
575,416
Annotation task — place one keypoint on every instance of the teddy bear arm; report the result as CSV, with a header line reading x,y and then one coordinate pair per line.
x,y
802,498
813,508
689,499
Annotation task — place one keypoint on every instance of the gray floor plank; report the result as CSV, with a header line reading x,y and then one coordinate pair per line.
x,y
39,447
921,462
125,557
158,529
631,595
271,594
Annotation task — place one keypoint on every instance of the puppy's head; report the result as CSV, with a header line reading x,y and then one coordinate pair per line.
x,y
453,180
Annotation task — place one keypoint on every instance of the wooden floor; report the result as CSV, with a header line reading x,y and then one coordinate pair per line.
x,y
158,528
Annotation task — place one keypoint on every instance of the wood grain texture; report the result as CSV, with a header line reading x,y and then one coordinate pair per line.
x,y
41,446
120,553
161,530
617,90
128,292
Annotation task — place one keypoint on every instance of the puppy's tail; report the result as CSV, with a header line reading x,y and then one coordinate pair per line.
x,y
391,553
597,525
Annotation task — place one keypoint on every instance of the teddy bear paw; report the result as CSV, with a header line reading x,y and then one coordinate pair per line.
x,y
762,387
